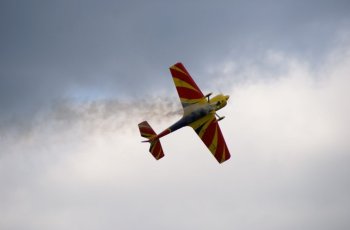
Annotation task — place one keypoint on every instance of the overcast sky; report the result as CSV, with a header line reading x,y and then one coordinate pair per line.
x,y
76,77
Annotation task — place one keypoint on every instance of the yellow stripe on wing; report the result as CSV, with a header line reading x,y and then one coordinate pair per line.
x,y
192,101
214,143
223,157
180,83
198,123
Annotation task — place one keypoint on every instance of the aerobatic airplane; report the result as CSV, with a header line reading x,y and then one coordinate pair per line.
x,y
199,112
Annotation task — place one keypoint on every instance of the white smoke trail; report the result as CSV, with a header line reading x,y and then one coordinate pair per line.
x,y
100,116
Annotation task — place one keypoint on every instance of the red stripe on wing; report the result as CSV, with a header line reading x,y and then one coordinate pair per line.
x,y
222,153
209,133
220,146
187,93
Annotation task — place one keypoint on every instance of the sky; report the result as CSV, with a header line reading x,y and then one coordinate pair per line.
x,y
76,77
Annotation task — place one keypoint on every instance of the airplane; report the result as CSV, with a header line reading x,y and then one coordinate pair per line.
x,y
199,112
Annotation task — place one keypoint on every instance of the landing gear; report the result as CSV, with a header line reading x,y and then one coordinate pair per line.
x,y
219,118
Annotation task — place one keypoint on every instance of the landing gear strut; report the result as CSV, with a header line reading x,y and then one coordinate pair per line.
x,y
219,118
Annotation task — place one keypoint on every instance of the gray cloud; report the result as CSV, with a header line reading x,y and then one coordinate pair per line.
x,y
287,136
113,47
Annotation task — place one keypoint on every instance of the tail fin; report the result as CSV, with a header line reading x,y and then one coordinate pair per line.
x,y
156,148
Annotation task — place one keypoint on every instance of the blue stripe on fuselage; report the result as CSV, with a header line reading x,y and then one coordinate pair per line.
x,y
189,117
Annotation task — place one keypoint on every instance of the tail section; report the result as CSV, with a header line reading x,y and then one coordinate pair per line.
x,y
156,148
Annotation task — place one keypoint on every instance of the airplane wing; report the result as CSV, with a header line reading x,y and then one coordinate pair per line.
x,y
187,89
208,130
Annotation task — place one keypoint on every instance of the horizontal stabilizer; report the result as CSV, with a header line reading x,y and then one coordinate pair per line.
x,y
156,148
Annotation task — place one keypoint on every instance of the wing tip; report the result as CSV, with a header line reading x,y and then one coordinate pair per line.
x,y
227,157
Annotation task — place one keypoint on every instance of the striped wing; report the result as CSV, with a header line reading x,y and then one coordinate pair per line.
x,y
187,89
208,130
